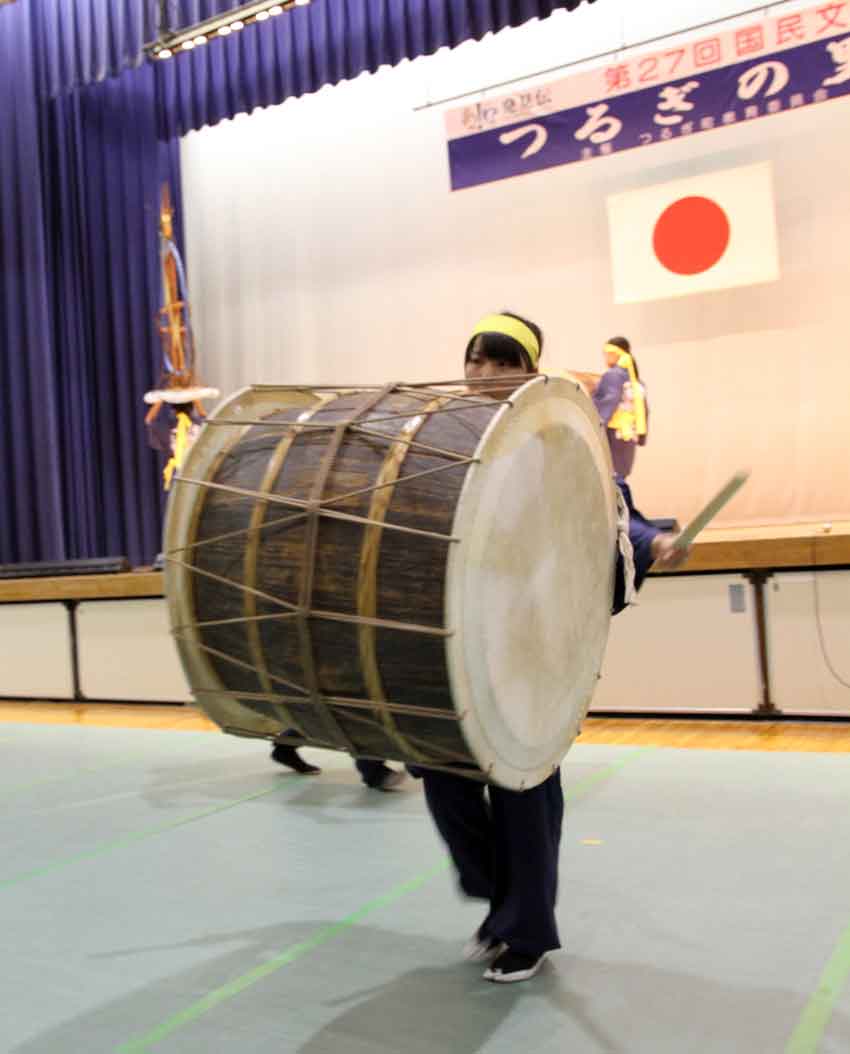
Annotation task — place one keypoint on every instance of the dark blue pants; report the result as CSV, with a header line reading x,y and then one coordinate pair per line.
x,y
505,850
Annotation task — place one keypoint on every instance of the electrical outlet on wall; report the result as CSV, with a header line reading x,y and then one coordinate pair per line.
x,y
737,599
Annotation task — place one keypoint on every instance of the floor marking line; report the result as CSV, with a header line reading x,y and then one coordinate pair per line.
x,y
815,1015
583,786
17,788
239,984
138,836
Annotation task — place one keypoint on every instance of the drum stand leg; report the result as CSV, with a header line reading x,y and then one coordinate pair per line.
x,y
757,579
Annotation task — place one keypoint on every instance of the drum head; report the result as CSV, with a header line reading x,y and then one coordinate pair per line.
x,y
530,582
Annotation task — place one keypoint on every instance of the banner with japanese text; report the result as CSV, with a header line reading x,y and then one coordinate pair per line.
x,y
768,67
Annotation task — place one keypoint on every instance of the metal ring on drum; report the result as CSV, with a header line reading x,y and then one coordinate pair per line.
x,y
412,572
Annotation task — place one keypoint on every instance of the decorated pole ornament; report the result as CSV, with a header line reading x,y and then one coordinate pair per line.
x,y
176,405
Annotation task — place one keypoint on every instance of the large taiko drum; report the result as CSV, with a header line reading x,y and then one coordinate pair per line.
x,y
418,573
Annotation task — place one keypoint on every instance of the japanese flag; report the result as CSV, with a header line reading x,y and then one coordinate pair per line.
x,y
694,235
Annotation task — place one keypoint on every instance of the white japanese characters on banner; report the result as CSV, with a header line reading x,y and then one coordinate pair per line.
x,y
768,67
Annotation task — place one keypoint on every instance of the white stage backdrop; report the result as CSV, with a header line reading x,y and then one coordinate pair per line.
x,y
324,246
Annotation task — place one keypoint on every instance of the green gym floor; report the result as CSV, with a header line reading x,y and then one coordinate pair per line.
x,y
176,891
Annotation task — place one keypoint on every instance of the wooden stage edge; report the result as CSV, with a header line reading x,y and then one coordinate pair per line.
x,y
759,548
718,549
803,736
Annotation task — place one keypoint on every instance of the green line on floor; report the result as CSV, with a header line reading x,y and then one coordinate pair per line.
x,y
138,836
227,991
589,782
17,788
239,984
814,1019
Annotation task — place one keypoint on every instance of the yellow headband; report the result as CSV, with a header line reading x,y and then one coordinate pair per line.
x,y
629,424
624,358
511,327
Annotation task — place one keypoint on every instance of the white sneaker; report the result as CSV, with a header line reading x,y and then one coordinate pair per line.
x,y
480,949
513,966
393,779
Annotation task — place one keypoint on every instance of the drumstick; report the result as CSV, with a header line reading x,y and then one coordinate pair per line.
x,y
726,493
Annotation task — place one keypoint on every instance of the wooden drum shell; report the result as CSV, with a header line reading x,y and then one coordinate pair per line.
x,y
329,624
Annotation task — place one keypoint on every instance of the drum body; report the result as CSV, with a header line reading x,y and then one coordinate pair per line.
x,y
412,573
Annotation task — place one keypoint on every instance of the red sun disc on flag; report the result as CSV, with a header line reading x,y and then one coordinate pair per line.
x,y
691,235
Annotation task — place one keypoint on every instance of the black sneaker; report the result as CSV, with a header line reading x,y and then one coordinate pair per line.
x,y
513,966
284,754
380,777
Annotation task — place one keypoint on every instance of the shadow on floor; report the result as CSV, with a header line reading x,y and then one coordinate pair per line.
x,y
321,1002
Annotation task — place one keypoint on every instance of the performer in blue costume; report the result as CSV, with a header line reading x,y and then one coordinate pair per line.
x,y
620,399
504,843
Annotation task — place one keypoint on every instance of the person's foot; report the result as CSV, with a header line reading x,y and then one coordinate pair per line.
x,y
513,966
284,754
392,779
382,778
482,948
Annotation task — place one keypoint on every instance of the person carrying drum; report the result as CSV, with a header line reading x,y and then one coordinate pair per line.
x,y
504,843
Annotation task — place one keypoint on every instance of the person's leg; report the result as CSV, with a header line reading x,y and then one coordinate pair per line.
x,y
527,826
462,817
379,775
286,754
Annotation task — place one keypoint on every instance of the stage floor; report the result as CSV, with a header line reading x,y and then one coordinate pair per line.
x,y
175,891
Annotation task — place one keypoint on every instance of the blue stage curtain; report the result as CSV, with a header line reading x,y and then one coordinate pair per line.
x,y
81,164
30,476
182,13
307,47
79,202
103,168
80,42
